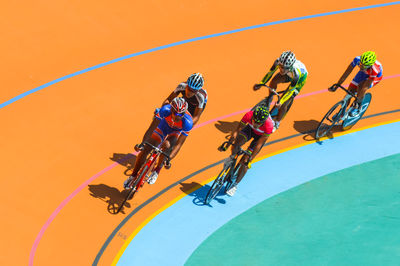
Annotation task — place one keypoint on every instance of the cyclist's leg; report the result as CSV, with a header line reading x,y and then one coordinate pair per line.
x,y
166,147
244,166
292,94
277,79
151,128
243,136
355,87
245,160
283,109
155,139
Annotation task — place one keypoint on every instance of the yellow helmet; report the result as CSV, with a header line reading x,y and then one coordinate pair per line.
x,y
368,58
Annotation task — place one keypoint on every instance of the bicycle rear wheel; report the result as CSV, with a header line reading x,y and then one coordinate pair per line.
x,y
350,121
218,183
331,118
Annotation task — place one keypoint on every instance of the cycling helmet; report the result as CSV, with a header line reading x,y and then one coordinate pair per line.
x,y
287,59
195,81
368,58
179,105
260,114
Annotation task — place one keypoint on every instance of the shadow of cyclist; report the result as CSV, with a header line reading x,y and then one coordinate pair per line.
x,y
110,195
200,193
127,160
226,127
305,126
309,127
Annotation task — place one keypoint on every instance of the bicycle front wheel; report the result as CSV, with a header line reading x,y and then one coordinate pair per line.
x,y
217,185
331,118
135,186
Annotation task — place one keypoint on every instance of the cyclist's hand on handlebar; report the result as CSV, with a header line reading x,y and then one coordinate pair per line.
x,y
256,87
333,88
139,147
167,164
224,146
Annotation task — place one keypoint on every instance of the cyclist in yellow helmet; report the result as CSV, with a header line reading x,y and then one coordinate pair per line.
x,y
369,75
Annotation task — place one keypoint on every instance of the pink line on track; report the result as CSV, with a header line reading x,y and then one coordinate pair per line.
x,y
76,191
59,208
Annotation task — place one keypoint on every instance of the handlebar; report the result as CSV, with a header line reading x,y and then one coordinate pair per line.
x,y
226,145
157,149
272,90
334,87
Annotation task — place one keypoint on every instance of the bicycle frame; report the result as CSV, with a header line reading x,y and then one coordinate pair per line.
x,y
138,182
334,116
151,160
224,176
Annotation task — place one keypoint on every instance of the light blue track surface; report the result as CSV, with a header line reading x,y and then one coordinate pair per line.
x,y
172,236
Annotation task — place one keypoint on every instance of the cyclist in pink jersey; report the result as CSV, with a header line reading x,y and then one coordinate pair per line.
x,y
370,74
256,125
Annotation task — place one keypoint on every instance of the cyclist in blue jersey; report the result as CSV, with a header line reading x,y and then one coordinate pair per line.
x,y
369,75
173,124
195,95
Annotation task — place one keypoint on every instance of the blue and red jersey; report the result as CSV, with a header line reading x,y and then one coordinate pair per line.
x,y
169,126
373,72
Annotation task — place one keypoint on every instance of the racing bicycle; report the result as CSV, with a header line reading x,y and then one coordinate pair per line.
x,y
136,183
339,114
228,174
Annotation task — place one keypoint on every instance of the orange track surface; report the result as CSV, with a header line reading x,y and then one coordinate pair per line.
x,y
57,138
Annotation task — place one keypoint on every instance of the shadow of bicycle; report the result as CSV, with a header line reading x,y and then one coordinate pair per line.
x,y
309,127
200,192
110,195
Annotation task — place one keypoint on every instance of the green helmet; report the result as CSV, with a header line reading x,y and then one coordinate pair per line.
x,y
260,114
368,58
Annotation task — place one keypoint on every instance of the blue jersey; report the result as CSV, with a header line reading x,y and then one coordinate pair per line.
x,y
168,125
375,71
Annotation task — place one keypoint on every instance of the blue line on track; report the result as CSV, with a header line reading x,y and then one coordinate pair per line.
x,y
188,41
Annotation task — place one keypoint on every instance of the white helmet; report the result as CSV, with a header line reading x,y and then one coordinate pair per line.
x,y
287,59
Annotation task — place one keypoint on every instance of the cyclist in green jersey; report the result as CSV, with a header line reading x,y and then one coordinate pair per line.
x,y
290,70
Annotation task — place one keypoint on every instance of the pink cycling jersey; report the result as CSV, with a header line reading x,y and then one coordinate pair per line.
x,y
265,128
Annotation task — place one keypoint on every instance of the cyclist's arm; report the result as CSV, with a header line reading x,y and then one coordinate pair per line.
x,y
197,113
267,76
172,96
150,130
179,89
260,143
271,71
346,74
